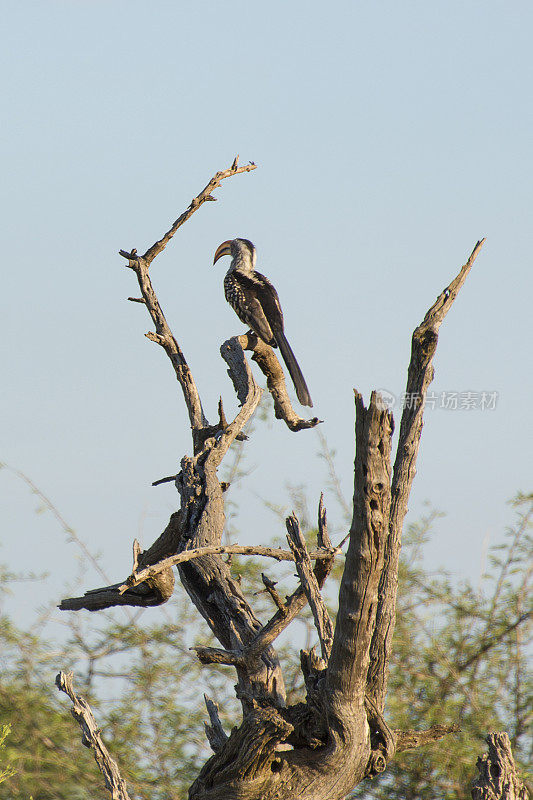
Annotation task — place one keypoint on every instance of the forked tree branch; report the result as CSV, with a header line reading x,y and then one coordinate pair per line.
x,y
155,591
297,600
287,611
276,553
163,335
248,393
310,585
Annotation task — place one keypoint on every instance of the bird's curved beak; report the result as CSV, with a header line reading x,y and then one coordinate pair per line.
x,y
223,249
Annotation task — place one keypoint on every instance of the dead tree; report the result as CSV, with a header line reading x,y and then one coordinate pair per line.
x,y
323,746
498,779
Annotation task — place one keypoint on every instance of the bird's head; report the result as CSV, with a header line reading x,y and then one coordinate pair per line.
x,y
242,252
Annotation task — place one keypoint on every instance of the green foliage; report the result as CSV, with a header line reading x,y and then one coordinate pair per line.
x,y
42,754
459,656
5,771
144,687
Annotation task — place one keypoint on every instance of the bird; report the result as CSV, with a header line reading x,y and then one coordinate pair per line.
x,y
256,303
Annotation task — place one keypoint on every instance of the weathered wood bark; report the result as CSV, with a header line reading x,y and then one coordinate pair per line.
x,y
91,737
498,779
322,747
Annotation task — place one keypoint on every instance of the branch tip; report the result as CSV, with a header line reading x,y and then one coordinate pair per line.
x,y
168,479
136,554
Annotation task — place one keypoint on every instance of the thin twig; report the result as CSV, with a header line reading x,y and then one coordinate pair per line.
x,y
270,587
247,550
323,567
200,199
70,532
277,624
309,583
334,481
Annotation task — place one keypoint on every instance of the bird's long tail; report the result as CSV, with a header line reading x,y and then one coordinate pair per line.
x,y
302,392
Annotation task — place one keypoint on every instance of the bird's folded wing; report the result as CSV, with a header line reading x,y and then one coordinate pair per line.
x,y
257,320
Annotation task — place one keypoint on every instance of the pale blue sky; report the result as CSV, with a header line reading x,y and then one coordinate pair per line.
x,y
389,137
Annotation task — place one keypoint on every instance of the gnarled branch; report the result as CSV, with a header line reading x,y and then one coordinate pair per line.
x,y
410,740
81,711
265,357
323,747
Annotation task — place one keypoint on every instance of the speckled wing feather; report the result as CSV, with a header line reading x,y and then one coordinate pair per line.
x,y
256,303
243,295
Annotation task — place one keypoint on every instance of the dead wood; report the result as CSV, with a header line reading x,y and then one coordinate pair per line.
x,y
498,779
410,740
322,747
215,733
81,711
419,377
310,585
269,365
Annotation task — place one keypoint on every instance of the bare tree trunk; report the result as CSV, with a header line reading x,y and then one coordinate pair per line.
x,y
498,779
319,749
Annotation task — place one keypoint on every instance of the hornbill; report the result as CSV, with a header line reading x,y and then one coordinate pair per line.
x,y
256,303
